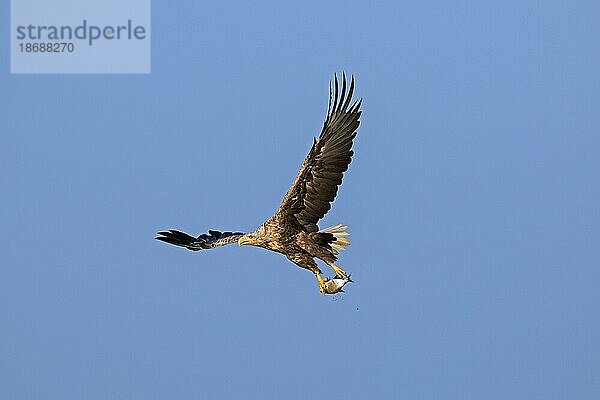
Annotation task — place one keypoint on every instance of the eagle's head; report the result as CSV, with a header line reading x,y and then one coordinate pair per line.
x,y
256,238
248,239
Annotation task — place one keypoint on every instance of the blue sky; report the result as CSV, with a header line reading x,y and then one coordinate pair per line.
x,y
472,202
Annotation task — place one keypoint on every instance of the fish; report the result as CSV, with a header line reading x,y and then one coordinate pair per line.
x,y
336,284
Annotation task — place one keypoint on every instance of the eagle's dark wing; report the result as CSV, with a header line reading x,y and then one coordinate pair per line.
x,y
316,184
202,242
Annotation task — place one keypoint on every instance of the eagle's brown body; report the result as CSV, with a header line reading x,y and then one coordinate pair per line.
x,y
293,230
297,245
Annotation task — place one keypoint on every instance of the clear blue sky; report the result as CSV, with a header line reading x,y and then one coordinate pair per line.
x,y
472,202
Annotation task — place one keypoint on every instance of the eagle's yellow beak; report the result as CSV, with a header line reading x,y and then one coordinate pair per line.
x,y
243,240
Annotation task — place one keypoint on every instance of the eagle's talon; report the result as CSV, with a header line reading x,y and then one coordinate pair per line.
x,y
322,286
339,273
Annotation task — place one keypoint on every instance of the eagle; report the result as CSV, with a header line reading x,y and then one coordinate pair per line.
x,y
292,230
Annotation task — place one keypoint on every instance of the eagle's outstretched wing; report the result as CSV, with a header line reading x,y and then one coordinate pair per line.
x,y
310,196
202,242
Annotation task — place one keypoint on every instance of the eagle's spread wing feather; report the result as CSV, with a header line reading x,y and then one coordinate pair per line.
x,y
202,242
315,187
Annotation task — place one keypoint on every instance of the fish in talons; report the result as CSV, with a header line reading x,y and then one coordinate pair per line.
x,y
336,284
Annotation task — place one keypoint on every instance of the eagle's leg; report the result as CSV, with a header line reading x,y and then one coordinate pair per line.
x,y
322,287
338,271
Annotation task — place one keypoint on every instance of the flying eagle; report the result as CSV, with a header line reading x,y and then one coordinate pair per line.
x,y
293,230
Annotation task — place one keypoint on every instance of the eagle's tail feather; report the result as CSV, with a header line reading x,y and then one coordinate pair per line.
x,y
341,237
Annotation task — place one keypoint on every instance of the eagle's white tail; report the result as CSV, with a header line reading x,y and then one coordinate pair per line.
x,y
341,237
